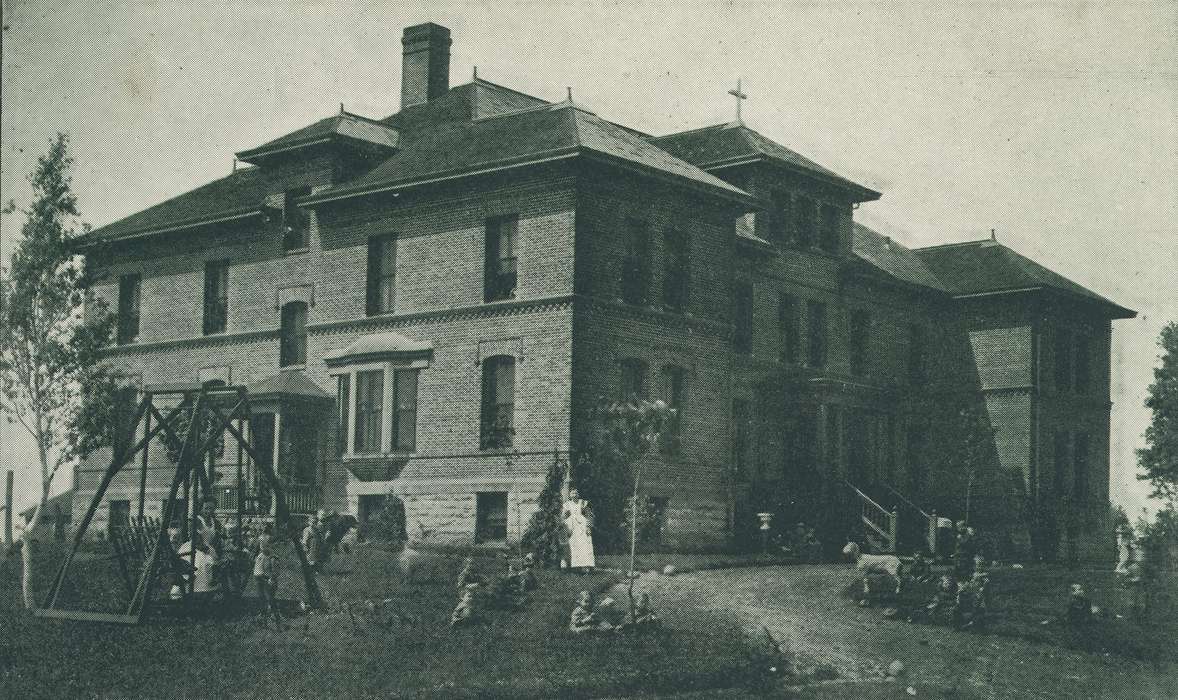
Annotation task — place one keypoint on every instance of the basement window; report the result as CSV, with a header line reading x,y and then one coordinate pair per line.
x,y
491,517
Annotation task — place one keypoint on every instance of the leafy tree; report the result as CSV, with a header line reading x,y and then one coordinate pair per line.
x,y
52,380
543,536
1159,458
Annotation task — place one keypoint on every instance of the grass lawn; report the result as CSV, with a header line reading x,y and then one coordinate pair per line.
x,y
404,648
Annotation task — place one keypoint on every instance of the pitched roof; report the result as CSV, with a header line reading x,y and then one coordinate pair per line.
x,y
981,267
473,126
563,129
287,383
891,258
240,193
722,144
379,344
342,125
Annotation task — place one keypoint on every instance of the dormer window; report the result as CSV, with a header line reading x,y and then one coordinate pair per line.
x,y
295,222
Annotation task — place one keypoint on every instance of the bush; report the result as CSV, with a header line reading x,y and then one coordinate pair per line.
x,y
545,534
388,523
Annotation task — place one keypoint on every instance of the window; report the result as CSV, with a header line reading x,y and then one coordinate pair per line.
x,y
120,516
126,406
490,517
803,211
382,275
1080,467
830,228
860,338
405,410
499,278
343,398
295,223
674,386
816,314
216,296
917,471
293,350
787,324
779,219
1060,462
677,277
917,343
369,411
129,297
1083,377
498,419
1063,359
742,338
633,380
741,425
833,437
636,265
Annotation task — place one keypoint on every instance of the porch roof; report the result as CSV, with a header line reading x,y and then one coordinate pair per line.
x,y
288,383
378,346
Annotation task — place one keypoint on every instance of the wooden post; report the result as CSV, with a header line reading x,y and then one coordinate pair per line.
x,y
143,469
932,533
894,526
8,507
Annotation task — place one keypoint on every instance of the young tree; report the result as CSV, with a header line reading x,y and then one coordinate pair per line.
x,y
623,433
543,536
1159,458
52,380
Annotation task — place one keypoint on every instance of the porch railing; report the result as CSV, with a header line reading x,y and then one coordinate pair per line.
x,y
300,498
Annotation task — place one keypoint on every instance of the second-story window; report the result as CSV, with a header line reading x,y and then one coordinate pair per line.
x,y
803,215
296,229
860,339
499,278
917,343
742,338
129,298
677,276
787,323
216,310
1083,372
293,349
382,275
829,241
498,411
636,264
1080,467
816,315
1063,359
779,218
632,382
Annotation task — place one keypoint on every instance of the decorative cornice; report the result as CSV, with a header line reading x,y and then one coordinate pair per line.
x,y
497,308
194,341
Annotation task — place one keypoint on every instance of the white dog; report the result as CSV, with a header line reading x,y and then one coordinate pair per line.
x,y
873,564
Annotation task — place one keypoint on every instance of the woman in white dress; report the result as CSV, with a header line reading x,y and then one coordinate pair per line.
x,y
578,522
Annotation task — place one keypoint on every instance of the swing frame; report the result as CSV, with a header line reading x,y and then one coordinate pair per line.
x,y
203,404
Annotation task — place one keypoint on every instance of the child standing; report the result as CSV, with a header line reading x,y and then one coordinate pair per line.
x,y
265,574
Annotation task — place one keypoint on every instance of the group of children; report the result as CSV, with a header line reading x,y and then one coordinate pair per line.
x,y
508,590
588,617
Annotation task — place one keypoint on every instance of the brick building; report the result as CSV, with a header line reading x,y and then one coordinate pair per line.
x,y
424,304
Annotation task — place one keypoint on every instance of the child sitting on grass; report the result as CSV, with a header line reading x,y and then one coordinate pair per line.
x,y
464,613
584,619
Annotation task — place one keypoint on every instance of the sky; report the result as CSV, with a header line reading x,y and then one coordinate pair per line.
x,y
1054,123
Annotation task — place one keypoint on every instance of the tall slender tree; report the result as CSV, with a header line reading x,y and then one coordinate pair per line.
x,y
52,378
1159,458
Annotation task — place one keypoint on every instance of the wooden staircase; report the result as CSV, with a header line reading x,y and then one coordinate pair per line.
x,y
879,524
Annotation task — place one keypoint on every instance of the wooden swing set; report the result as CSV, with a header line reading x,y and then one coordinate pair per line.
x,y
193,428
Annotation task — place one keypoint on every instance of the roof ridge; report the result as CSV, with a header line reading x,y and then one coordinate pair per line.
x,y
690,131
959,244
370,120
576,128
522,110
476,81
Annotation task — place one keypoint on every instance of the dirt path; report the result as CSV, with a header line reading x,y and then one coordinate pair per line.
x,y
803,607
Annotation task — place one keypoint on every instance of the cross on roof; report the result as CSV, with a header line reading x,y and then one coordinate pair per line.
x,y
740,97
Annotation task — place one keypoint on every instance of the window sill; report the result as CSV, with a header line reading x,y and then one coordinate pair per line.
x,y
377,455
284,368
296,251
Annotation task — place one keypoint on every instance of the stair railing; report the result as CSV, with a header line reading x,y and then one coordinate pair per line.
x,y
877,518
930,519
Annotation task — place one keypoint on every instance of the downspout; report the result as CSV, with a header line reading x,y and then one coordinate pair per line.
x,y
1033,470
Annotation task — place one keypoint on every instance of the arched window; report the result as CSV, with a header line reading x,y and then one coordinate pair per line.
x,y
498,402
294,334
674,389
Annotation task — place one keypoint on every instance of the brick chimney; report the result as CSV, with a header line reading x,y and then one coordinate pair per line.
x,y
425,63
